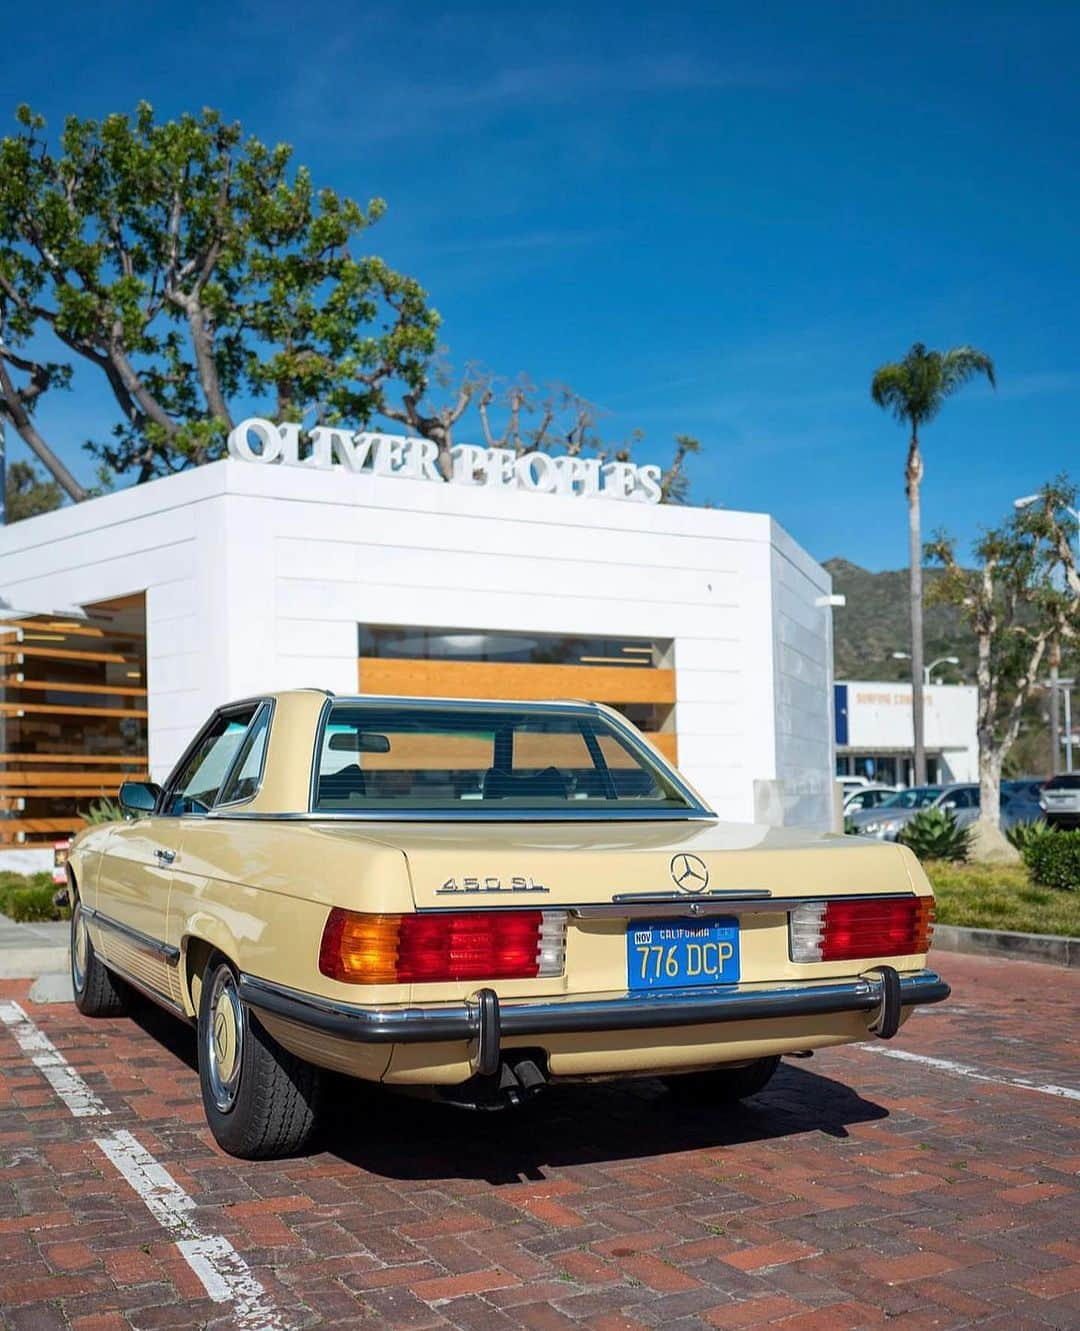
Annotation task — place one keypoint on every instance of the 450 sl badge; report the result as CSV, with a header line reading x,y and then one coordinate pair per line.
x,y
455,886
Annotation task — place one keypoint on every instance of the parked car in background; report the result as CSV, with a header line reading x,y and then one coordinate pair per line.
x,y
894,813
1020,801
867,797
1060,800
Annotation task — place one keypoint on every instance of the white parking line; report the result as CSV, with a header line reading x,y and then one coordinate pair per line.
x,y
223,1272
52,1064
964,1070
225,1275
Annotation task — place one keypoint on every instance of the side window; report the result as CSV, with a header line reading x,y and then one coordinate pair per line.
x,y
195,787
242,783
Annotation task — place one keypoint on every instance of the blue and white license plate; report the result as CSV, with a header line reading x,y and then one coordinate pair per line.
x,y
670,954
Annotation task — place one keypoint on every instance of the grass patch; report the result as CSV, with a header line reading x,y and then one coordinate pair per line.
x,y
993,896
28,897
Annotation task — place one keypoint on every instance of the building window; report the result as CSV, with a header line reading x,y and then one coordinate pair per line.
x,y
634,675
72,716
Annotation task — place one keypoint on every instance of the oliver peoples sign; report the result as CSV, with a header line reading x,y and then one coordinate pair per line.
x,y
332,447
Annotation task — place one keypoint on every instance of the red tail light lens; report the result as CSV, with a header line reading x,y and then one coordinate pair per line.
x,y
459,945
845,930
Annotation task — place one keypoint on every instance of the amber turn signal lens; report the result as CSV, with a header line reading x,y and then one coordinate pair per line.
x,y
360,949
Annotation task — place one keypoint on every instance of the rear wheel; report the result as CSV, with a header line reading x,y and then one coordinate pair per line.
x,y
98,993
261,1101
724,1085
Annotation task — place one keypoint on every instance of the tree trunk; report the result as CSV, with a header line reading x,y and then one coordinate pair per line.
x,y
913,477
21,419
1055,708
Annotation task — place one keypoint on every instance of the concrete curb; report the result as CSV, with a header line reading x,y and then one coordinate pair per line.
x,y
1050,949
30,962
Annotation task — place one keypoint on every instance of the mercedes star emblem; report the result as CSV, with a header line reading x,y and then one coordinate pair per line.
x,y
689,873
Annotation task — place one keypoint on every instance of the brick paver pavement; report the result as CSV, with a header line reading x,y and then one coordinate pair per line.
x,y
859,1190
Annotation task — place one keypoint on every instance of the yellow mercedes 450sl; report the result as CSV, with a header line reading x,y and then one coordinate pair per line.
x,y
476,899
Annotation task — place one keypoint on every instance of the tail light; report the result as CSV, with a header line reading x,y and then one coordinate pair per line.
x,y
451,945
846,930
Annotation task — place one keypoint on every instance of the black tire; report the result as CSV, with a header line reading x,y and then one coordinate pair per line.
x,y
98,993
724,1086
261,1101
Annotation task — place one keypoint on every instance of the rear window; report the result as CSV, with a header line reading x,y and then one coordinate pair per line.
x,y
470,760
1066,781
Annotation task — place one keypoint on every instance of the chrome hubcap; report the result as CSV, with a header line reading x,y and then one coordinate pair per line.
x,y
80,946
224,1040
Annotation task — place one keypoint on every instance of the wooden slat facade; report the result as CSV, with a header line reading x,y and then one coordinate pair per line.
x,y
58,757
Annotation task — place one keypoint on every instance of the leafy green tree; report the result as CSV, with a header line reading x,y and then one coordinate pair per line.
x,y
914,390
29,493
192,268
1023,594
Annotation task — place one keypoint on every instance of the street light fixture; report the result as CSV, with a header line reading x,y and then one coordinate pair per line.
x,y
941,660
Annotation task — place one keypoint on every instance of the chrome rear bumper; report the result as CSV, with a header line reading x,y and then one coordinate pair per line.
x,y
486,1019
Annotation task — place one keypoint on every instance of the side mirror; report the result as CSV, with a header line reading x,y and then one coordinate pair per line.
x,y
139,796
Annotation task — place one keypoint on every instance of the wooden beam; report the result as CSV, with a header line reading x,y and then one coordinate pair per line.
x,y
60,686
14,777
57,654
494,680
87,760
45,708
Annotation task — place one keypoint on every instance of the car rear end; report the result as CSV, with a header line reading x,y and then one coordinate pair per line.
x,y
599,952
1059,800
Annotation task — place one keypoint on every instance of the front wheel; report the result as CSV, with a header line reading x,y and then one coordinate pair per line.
x,y
724,1085
261,1101
98,993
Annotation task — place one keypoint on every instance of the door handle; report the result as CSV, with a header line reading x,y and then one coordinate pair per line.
x,y
164,856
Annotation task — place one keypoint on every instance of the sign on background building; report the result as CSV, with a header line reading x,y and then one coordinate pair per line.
x,y
336,448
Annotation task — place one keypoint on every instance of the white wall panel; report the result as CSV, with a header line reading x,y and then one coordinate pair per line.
x,y
258,577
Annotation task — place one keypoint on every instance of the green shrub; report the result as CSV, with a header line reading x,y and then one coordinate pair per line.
x,y
30,905
1054,861
1022,834
29,897
934,835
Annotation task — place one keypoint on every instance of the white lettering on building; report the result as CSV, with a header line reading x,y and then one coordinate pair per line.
x,y
327,448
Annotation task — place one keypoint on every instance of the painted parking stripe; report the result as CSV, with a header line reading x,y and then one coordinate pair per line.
x,y
45,1056
225,1275
223,1272
964,1070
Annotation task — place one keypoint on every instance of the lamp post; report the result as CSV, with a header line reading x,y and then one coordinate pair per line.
x,y
1055,655
941,660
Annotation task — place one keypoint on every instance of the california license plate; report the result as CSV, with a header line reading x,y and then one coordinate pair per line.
x,y
670,954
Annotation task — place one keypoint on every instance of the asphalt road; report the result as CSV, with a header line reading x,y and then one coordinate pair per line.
x,y
928,1182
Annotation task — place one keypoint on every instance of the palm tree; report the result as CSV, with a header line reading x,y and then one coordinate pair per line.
x,y
914,390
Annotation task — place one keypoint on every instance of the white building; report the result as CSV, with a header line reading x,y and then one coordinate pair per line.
x,y
875,731
709,628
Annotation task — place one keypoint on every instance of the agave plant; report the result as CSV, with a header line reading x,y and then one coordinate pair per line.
x,y
933,834
103,810
1024,834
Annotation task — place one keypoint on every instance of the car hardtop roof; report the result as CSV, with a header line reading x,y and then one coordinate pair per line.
x,y
412,700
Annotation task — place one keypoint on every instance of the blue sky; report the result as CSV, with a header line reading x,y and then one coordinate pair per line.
x,y
707,218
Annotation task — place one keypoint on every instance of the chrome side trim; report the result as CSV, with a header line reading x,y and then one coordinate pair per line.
x,y
144,942
595,1012
487,816
154,995
665,906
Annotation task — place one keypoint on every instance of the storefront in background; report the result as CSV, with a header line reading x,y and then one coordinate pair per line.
x,y
709,629
875,732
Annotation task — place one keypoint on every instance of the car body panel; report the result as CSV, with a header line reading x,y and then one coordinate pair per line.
x,y
256,881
